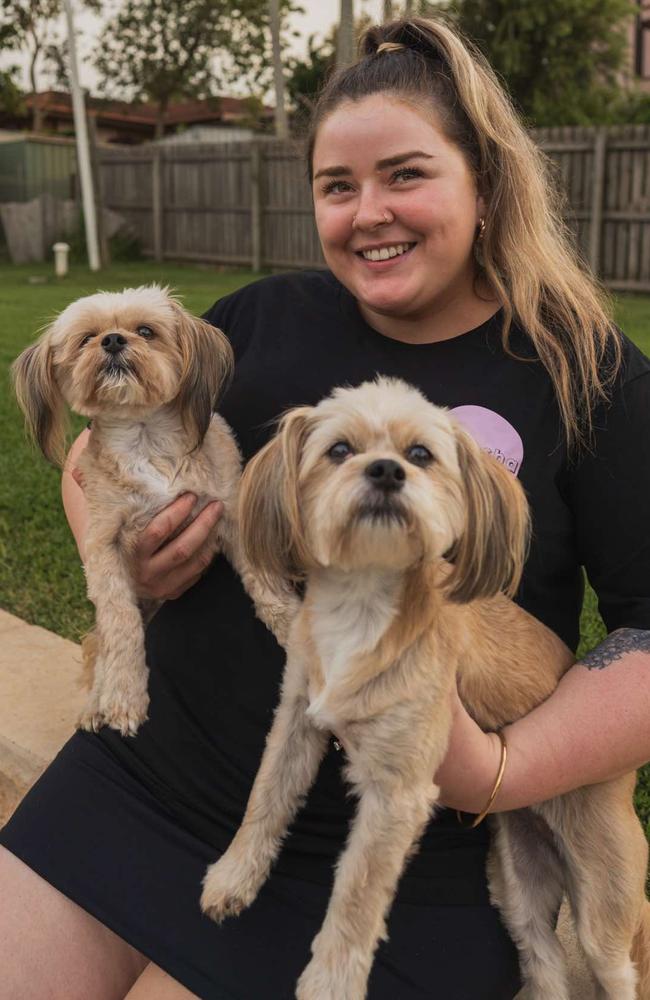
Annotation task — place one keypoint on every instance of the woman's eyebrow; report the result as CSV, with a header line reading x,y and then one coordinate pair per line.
x,y
390,161
394,161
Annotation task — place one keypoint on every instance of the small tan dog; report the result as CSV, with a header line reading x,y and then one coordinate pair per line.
x,y
148,375
406,534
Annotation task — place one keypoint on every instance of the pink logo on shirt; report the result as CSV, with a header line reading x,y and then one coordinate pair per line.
x,y
493,433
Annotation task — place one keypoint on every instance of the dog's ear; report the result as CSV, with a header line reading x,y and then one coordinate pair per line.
x,y
489,556
40,400
208,363
270,521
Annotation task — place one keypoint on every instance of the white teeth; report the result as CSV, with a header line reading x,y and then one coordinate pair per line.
x,y
387,252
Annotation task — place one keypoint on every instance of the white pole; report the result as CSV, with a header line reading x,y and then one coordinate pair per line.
x,y
83,152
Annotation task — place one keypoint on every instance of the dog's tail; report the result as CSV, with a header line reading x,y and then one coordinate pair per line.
x,y
641,953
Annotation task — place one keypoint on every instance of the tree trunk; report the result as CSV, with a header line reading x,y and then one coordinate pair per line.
x,y
160,120
281,120
37,109
408,8
388,10
345,38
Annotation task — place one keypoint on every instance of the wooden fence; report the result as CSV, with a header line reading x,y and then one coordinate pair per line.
x,y
250,204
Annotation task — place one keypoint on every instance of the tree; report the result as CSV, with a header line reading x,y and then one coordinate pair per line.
x,y
561,59
27,25
161,50
307,76
281,119
12,99
345,36
30,26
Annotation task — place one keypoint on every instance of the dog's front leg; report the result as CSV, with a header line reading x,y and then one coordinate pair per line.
x,y
294,749
119,696
396,801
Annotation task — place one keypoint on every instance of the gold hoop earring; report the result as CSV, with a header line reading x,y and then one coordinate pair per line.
x,y
478,244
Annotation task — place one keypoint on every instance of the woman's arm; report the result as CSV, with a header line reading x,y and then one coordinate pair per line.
x,y
163,569
74,502
592,728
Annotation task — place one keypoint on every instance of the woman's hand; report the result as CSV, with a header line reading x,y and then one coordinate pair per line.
x,y
164,569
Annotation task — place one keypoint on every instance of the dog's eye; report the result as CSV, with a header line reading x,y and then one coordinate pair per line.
x,y
145,331
340,451
89,336
419,455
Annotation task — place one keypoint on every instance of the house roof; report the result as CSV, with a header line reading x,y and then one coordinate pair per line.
x,y
191,112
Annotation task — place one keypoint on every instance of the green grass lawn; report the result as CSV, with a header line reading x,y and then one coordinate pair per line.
x,y
41,578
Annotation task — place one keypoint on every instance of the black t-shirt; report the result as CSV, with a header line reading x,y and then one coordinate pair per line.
x,y
215,670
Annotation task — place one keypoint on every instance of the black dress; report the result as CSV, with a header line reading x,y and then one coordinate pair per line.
x,y
126,827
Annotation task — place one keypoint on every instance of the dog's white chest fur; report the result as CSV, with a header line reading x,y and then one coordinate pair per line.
x,y
135,444
350,613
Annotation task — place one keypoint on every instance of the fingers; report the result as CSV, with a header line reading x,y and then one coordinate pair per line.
x,y
164,525
75,472
180,563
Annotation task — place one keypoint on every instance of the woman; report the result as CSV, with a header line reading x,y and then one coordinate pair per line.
x,y
448,268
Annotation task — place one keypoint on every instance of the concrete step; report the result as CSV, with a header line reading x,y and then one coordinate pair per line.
x,y
40,700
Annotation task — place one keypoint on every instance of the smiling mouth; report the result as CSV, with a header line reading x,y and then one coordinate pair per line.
x,y
386,252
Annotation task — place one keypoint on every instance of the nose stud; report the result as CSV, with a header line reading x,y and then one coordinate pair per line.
x,y
386,474
382,222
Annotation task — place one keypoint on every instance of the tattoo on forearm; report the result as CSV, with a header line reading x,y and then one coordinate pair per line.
x,y
624,640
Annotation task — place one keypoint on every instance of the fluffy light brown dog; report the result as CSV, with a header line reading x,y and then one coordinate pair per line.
x,y
148,375
407,534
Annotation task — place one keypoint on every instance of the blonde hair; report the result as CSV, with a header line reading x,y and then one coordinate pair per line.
x,y
528,256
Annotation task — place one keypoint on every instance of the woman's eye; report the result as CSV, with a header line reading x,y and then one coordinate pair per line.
x,y
417,454
145,331
336,187
340,451
406,174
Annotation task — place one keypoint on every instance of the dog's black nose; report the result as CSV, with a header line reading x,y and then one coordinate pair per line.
x,y
114,343
386,474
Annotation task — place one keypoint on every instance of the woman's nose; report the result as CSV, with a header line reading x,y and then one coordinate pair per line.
x,y
372,211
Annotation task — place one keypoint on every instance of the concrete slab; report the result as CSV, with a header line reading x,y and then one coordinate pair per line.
x,y
40,695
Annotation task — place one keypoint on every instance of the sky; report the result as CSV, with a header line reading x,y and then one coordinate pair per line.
x,y
318,18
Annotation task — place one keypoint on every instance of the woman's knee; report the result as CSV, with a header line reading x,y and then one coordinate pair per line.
x,y
154,984
51,947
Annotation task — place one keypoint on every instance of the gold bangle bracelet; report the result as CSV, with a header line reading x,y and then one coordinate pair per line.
x,y
497,785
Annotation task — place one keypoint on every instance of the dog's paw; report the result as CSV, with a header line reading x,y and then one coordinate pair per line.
x,y
227,890
315,984
338,970
125,716
123,713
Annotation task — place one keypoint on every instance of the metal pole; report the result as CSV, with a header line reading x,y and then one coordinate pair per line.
x,y
83,151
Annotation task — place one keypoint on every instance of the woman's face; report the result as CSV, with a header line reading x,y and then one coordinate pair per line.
x,y
388,182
